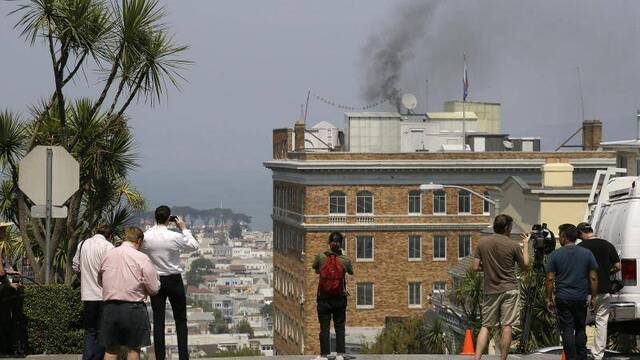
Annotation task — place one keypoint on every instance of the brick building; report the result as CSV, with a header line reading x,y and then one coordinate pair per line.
x,y
401,241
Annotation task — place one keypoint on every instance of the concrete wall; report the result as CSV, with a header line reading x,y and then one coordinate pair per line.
x,y
373,134
489,114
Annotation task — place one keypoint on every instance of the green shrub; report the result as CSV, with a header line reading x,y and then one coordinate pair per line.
x,y
53,316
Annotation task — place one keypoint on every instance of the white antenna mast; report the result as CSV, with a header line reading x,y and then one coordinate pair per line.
x,y
581,96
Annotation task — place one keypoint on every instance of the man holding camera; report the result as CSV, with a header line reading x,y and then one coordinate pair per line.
x,y
87,262
497,255
164,247
608,263
573,271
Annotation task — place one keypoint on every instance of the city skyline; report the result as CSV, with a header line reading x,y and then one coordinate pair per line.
x,y
255,61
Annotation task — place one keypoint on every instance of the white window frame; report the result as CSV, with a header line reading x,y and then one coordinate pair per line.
x,y
434,204
468,194
470,245
373,296
409,248
433,243
409,203
345,204
414,306
486,204
372,203
439,291
373,249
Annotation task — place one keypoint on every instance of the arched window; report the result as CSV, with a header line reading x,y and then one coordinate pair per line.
x,y
364,202
464,202
337,203
439,202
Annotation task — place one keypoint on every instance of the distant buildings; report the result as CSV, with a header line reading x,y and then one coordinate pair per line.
x,y
402,241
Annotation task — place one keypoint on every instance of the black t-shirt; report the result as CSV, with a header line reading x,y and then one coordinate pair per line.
x,y
606,256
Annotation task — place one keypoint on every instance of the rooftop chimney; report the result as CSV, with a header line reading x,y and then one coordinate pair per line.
x,y
591,135
298,131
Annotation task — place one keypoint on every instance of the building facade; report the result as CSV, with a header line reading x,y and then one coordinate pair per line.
x,y
401,241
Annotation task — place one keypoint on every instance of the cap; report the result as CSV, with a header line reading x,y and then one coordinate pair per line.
x,y
584,227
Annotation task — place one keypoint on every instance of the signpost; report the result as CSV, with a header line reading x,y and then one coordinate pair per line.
x,y
49,176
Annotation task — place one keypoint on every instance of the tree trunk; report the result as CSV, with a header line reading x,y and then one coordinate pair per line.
x,y
22,225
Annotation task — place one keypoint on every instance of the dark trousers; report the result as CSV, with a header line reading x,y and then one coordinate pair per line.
x,y
328,308
91,316
572,320
171,287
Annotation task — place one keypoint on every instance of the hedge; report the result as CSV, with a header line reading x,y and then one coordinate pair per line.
x,y
53,319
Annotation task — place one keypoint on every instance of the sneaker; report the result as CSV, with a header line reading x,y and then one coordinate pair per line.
x,y
345,357
339,357
320,357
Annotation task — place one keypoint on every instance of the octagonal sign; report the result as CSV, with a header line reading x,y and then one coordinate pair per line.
x,y
65,175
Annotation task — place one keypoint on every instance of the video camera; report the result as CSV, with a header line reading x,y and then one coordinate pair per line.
x,y
543,241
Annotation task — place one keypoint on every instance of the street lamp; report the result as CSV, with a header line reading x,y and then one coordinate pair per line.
x,y
433,187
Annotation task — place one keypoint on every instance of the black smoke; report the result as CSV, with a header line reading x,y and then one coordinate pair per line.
x,y
387,51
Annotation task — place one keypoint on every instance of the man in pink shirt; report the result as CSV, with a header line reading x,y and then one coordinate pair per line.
x,y
127,277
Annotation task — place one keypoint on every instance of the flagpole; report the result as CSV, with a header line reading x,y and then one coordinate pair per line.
x,y
464,100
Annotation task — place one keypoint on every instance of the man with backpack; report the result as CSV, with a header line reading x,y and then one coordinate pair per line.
x,y
608,263
332,266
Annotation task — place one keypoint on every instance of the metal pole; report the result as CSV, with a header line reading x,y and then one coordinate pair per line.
x,y
48,213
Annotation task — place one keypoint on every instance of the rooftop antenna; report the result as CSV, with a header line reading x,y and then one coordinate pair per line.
x,y
426,97
581,96
306,108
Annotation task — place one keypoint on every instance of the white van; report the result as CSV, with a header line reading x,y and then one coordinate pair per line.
x,y
614,214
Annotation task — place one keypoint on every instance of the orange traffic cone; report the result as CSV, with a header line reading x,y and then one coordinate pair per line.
x,y
467,347
564,357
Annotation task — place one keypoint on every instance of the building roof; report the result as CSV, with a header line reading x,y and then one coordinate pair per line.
x,y
621,144
372,114
452,115
324,125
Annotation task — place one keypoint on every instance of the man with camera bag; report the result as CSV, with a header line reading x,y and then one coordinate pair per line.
x,y
163,247
572,269
332,267
497,255
608,264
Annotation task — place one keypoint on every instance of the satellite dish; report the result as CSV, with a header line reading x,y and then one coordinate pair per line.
x,y
507,144
409,101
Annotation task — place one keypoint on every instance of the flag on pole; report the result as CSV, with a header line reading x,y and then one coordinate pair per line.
x,y
465,84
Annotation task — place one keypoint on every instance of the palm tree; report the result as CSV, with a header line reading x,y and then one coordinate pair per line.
x,y
130,44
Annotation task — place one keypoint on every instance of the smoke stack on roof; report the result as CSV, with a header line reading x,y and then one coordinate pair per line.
x,y
591,135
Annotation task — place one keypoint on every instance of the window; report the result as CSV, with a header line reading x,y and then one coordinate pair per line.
x,y
415,248
415,295
439,247
337,203
439,202
364,295
439,287
415,202
464,246
364,202
464,202
364,248
485,204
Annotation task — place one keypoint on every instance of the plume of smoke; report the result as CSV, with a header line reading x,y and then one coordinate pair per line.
x,y
385,53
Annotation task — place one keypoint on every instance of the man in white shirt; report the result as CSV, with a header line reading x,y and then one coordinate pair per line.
x,y
87,262
163,246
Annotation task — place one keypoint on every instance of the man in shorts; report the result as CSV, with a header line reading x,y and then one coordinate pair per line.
x,y
127,277
497,255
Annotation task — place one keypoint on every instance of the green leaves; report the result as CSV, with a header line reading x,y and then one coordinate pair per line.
x,y
12,138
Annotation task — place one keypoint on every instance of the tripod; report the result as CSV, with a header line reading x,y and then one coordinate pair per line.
x,y
530,292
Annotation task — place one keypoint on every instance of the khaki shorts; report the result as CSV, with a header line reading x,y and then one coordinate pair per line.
x,y
501,309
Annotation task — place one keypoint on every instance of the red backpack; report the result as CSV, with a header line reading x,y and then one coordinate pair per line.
x,y
331,276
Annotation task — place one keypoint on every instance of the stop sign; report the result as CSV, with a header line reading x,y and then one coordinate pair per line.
x,y
65,175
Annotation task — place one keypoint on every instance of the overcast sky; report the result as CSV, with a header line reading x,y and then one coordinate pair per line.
x,y
255,61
